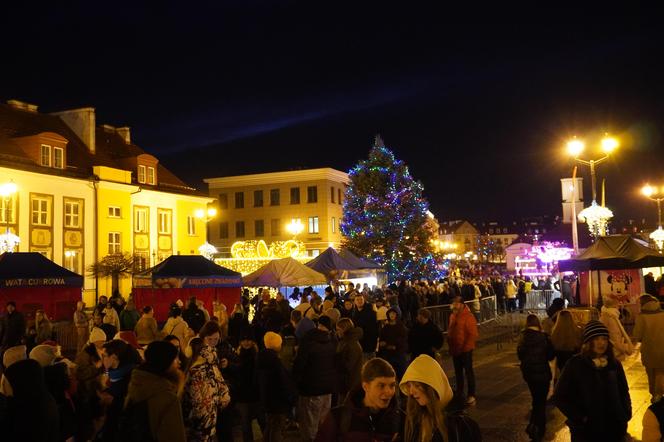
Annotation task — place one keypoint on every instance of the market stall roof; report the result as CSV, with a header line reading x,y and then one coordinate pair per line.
x,y
330,261
189,271
359,263
32,269
286,272
614,252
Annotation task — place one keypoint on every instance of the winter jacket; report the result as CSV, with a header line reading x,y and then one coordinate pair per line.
x,y
510,289
128,319
177,327
349,360
535,351
246,388
424,338
353,422
595,400
652,428
194,317
462,331
649,329
366,320
164,410
313,367
277,390
622,345
111,317
146,330
395,337
12,329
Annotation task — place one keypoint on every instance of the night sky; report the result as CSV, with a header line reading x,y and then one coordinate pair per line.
x,y
479,103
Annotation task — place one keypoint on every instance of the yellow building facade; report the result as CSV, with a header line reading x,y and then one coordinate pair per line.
x,y
266,206
84,191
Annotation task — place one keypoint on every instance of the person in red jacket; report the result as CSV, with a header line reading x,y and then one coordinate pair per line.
x,y
461,336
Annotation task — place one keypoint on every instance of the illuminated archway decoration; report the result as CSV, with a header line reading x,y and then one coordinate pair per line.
x,y
259,249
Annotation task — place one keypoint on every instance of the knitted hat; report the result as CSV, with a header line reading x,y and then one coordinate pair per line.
x,y
14,354
44,354
326,322
427,370
97,335
593,329
272,341
159,356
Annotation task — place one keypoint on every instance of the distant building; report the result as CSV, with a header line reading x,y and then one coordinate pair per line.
x,y
263,206
461,233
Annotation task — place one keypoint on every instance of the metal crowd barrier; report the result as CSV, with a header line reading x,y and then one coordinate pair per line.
x,y
484,309
539,299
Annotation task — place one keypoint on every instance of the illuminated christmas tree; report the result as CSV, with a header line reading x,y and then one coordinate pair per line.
x,y
387,219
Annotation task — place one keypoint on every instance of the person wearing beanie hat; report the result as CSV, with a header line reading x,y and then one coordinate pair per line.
x,y
156,383
649,330
97,336
429,392
276,389
44,354
325,321
592,391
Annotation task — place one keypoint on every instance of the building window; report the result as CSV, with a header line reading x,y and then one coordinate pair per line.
x,y
141,260
72,260
114,212
58,157
259,227
140,220
239,200
258,198
275,227
312,194
339,196
45,155
151,176
334,225
40,209
274,197
313,224
114,246
314,253
165,218
223,201
239,229
191,226
141,173
332,195
72,214
7,211
223,230
295,195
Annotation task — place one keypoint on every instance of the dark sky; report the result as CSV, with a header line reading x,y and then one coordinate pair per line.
x,y
479,103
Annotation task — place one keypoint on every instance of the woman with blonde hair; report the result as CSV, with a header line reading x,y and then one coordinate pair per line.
x,y
429,393
565,338
610,316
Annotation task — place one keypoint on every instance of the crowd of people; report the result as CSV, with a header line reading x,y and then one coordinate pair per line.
x,y
358,365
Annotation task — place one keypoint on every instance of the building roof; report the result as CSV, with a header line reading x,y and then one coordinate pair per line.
x,y
110,150
324,173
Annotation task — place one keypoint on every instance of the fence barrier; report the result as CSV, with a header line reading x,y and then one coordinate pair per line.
x,y
484,310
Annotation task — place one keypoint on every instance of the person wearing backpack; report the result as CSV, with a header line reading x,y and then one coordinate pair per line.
x,y
152,409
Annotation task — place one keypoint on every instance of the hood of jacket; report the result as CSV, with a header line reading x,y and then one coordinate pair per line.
x,y
651,307
145,385
427,370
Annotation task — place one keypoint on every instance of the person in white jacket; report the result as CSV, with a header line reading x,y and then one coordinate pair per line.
x,y
610,317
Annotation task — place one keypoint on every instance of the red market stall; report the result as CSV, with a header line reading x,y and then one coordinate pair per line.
x,y
181,277
35,282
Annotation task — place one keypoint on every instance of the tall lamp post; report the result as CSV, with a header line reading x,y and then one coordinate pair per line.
x,y
8,241
597,216
207,250
657,235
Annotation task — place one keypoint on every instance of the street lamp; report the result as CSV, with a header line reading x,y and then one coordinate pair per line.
x,y
207,250
651,193
8,241
597,216
295,227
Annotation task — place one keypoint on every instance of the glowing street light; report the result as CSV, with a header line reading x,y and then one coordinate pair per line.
x,y
652,193
295,227
575,147
8,241
207,250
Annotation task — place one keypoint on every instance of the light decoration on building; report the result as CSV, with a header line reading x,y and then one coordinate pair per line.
x,y
8,242
248,256
541,259
658,237
597,217
207,250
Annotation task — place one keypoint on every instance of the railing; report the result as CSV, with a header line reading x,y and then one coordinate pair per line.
x,y
484,310
540,299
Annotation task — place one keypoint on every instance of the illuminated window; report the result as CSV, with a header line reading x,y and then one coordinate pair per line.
x,y
141,173
191,225
72,214
72,260
114,246
40,211
141,260
114,212
8,211
45,155
140,220
164,221
313,224
151,176
58,157
334,224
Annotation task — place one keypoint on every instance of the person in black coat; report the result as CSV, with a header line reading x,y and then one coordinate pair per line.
x,y
393,343
592,391
535,351
193,316
276,388
12,327
364,317
246,393
424,336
